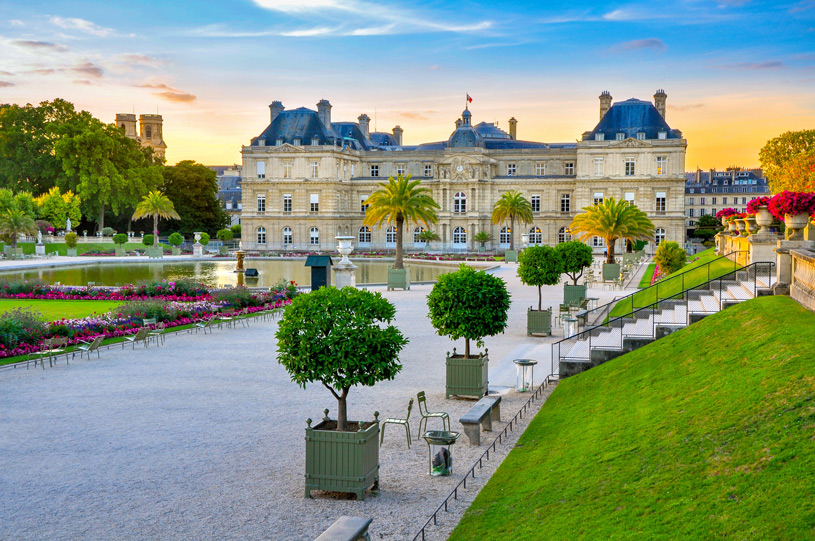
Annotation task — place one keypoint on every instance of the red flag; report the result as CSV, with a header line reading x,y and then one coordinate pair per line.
x,y
469,99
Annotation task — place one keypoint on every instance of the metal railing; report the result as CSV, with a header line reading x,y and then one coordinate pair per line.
x,y
548,380
610,335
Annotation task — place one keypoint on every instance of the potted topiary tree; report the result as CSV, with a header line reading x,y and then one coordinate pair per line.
x,y
339,338
670,257
176,240
482,238
119,240
511,206
147,240
576,256
468,304
70,243
204,240
539,266
224,235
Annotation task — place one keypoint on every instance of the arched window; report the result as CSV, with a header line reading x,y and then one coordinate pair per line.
x,y
416,234
364,235
659,236
261,231
598,242
563,235
460,202
287,236
390,235
504,236
148,132
535,236
460,236
314,236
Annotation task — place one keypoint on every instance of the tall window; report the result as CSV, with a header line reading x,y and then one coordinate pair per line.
x,y
374,170
148,132
512,169
390,235
261,169
363,208
314,236
417,234
659,236
428,170
261,202
660,202
701,200
629,197
460,202
459,235
286,202
565,202
504,236
691,213
315,202
691,201
536,203
540,169
597,242
400,169
286,168
287,236
261,235
599,167
724,200
314,168
598,198
661,165
629,167
535,236
563,235
568,168
364,235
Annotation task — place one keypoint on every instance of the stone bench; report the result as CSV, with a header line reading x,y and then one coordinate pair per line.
x,y
485,411
347,529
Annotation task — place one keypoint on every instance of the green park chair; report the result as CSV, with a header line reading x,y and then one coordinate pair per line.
x,y
395,421
426,414
88,347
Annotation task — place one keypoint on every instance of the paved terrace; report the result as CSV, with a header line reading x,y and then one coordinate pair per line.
x,y
203,437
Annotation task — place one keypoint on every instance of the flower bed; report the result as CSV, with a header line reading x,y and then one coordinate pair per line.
x,y
165,290
792,203
754,205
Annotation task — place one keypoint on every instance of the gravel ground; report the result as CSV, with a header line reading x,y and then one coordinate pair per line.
x,y
203,437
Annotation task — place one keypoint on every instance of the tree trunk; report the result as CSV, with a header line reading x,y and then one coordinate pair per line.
x,y
466,348
610,250
155,230
398,264
539,299
512,232
342,411
100,222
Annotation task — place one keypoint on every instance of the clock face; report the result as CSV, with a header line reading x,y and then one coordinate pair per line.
x,y
460,168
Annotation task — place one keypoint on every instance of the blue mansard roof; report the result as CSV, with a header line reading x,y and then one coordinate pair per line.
x,y
301,123
631,117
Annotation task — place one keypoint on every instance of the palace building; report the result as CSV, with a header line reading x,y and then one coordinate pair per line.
x,y
305,178
149,132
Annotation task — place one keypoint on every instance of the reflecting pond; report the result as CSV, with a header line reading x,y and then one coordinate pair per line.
x,y
214,273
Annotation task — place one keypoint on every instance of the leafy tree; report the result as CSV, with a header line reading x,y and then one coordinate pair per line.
x,y
482,237
148,240
704,233
57,207
176,239
797,175
338,337
670,257
612,220
120,239
71,240
468,304
236,230
7,200
540,266
193,189
576,256
708,221
512,206
15,222
224,235
777,153
157,205
399,202
25,202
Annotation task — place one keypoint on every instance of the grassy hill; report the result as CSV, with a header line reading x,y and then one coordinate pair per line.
x,y
709,432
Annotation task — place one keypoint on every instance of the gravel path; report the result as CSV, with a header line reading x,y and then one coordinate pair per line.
x,y
203,437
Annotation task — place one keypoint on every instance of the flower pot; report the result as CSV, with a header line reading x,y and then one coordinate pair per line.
x,y
572,293
742,227
176,250
399,278
71,252
511,256
539,322
733,228
750,225
795,223
611,272
467,376
342,461
724,221
764,219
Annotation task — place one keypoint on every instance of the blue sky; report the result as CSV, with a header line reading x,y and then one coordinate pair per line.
x,y
736,72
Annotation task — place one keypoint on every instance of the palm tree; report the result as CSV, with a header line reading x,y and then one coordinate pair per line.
x,y
514,206
13,222
400,201
612,220
157,205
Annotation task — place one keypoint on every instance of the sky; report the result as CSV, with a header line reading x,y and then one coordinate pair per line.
x,y
736,72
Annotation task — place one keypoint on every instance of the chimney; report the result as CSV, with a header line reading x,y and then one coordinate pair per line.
x,y
364,122
513,128
605,103
324,112
712,172
458,123
659,101
698,175
397,135
275,108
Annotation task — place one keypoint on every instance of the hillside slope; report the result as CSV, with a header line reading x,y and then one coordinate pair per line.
x,y
709,432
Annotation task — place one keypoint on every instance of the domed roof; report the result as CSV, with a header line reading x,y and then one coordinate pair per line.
x,y
631,117
465,136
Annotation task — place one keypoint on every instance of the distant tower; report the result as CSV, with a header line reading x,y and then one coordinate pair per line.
x,y
659,101
127,123
364,125
397,135
605,103
324,112
513,128
149,132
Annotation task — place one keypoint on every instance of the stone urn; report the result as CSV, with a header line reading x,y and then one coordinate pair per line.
x,y
795,224
733,228
741,225
764,220
345,272
750,225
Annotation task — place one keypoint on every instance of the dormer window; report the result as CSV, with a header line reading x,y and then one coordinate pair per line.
x,y
297,141
599,136
279,141
620,136
662,134
640,136
315,142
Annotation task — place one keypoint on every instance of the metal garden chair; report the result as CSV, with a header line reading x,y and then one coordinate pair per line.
x,y
395,421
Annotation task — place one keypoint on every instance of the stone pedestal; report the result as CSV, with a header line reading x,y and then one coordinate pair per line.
x,y
762,247
345,275
783,263
198,249
240,254
39,249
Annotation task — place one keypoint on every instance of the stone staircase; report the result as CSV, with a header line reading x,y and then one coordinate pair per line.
x,y
621,335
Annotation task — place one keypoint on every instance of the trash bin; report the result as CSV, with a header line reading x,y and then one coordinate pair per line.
x,y
320,270
524,372
439,443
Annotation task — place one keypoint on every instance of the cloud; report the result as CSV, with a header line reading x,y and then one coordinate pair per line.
x,y
39,45
769,65
434,67
5,84
321,31
16,22
88,69
687,107
804,5
83,82
641,44
303,6
732,3
413,116
142,60
82,25
182,97
6,73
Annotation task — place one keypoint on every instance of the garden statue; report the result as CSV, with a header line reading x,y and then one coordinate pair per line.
x,y
39,237
68,226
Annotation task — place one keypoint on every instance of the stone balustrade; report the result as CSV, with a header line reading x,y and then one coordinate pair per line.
x,y
802,286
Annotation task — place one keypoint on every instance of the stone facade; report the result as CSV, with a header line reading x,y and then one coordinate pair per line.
x,y
304,178
149,132
707,192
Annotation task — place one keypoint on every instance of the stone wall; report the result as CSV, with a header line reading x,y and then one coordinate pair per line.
x,y
802,288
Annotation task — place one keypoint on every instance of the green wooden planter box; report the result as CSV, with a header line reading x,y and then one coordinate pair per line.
x,y
399,278
467,376
573,293
223,251
71,252
511,256
539,322
155,253
611,272
176,251
120,252
342,461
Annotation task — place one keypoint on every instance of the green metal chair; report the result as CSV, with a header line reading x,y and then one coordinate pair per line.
x,y
395,421
423,411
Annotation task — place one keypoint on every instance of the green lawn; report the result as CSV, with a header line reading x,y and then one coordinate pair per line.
x,y
58,309
28,247
707,433
645,281
692,275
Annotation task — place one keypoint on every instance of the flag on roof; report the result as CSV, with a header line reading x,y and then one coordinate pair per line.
x,y
469,99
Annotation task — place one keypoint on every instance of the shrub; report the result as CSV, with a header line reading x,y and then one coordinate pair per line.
x,y
670,257
108,231
236,230
224,235
287,288
576,256
238,297
120,239
70,240
204,239
147,240
21,326
43,225
540,266
176,239
159,310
